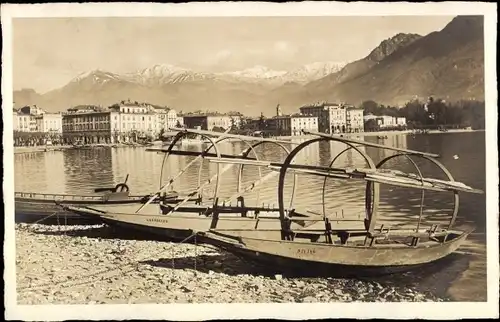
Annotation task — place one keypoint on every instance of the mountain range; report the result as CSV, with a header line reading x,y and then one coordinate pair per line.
x,y
447,63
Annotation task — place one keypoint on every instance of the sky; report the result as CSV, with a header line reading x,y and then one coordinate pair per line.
x,y
49,52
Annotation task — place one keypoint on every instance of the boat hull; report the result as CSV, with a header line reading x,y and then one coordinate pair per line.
x,y
177,226
334,260
44,210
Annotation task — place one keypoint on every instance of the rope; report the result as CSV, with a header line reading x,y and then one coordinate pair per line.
x,y
132,262
44,218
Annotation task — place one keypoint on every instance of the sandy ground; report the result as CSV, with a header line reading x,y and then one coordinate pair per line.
x,y
94,265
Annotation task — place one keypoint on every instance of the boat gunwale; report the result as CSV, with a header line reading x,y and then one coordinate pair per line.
x,y
239,240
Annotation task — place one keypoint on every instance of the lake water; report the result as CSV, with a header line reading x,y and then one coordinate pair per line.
x,y
462,276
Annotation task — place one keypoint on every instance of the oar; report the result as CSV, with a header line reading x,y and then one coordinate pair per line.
x,y
178,175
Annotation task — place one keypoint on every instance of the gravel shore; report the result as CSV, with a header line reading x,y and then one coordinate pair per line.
x,y
95,265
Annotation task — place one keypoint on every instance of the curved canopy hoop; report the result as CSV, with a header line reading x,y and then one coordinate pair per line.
x,y
456,198
280,145
177,137
213,144
323,200
244,154
300,147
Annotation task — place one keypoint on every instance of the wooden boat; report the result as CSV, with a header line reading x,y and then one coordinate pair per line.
x,y
390,253
293,238
178,221
180,224
345,251
45,208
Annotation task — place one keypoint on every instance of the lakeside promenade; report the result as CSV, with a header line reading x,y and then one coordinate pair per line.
x,y
42,148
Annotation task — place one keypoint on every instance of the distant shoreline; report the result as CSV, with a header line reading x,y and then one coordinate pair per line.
x,y
368,134
42,148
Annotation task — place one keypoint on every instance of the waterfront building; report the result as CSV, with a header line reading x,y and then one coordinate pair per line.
x,y
332,117
25,118
401,121
49,123
87,124
134,120
122,122
23,122
166,118
293,125
209,121
375,122
354,120
385,121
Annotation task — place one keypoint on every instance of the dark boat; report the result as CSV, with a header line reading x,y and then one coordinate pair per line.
x,y
45,208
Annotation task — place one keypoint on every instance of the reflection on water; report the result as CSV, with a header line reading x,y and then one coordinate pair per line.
x,y
81,171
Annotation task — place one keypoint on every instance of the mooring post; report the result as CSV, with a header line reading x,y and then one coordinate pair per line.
x,y
328,231
215,214
240,202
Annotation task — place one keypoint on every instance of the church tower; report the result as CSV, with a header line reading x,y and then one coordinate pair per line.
x,y
278,110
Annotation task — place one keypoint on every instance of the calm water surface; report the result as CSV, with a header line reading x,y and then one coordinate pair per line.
x,y
463,276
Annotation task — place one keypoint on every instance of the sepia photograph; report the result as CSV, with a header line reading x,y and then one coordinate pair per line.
x,y
319,157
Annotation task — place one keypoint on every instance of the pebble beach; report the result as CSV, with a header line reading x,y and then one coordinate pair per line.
x,y
97,265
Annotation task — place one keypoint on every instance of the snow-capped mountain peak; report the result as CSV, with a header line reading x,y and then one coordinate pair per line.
x,y
97,76
165,74
162,74
257,71
314,71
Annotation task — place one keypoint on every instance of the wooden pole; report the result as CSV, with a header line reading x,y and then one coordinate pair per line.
x,y
235,136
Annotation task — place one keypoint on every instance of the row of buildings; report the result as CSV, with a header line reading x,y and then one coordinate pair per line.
x,y
120,122
321,117
377,122
127,121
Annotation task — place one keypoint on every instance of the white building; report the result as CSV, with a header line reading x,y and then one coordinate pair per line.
x,y
209,121
293,125
140,119
303,122
401,121
166,117
386,121
332,117
25,118
49,123
354,120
